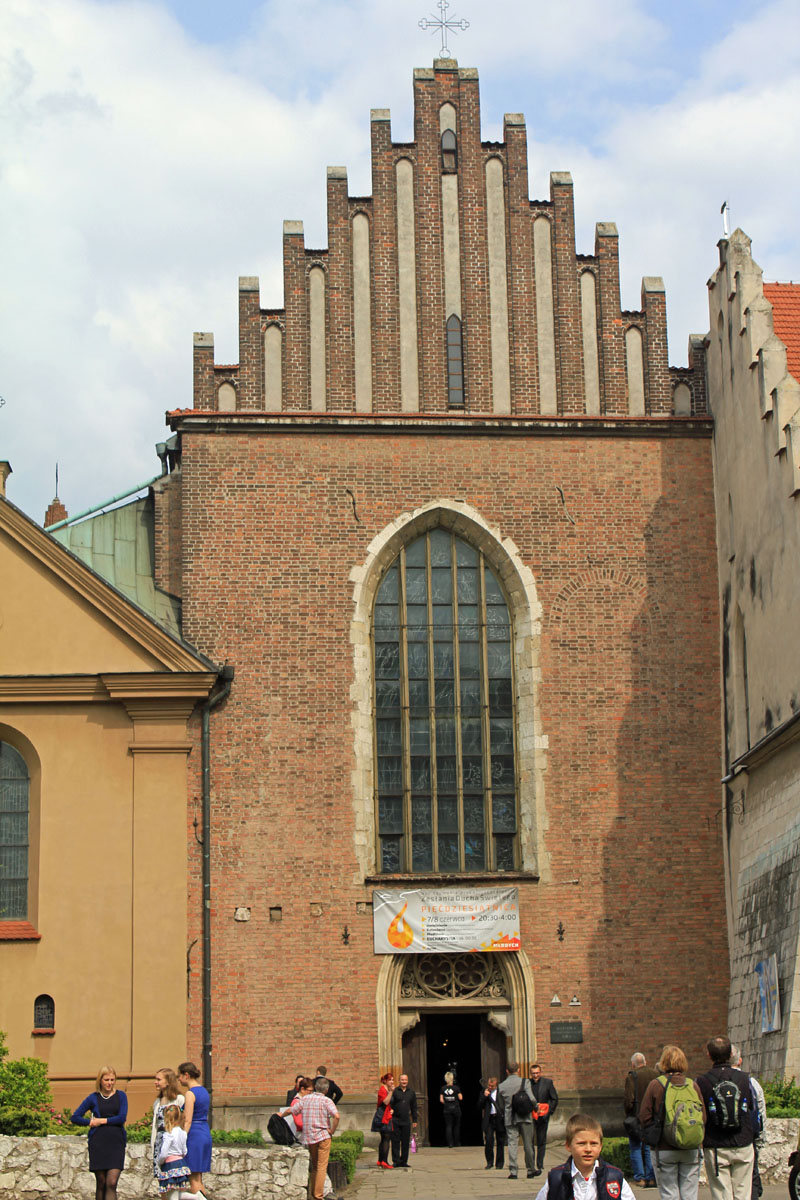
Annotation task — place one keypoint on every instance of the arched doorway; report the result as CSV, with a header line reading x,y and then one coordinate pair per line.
x,y
467,1012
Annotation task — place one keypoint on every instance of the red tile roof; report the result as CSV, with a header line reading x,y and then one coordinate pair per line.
x,y
18,931
785,301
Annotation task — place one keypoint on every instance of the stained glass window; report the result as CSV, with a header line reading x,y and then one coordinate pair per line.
x,y
444,712
13,835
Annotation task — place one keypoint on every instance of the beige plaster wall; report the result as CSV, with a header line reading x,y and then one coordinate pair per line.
x,y
755,402
45,627
758,533
88,696
110,900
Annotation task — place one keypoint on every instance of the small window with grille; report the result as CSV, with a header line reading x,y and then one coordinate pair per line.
x,y
44,1013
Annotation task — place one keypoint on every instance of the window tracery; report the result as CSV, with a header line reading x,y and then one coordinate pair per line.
x,y
453,977
444,712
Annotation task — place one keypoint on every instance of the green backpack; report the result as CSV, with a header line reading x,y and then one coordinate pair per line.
x,y
683,1115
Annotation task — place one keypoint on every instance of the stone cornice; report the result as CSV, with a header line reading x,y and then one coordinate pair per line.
x,y
33,689
474,424
112,604
153,692
772,742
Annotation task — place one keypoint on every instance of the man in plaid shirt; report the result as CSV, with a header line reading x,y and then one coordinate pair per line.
x,y
320,1119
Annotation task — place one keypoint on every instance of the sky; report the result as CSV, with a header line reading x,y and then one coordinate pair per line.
x,y
150,152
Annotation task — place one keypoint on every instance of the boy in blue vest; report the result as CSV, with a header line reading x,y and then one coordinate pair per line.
x,y
585,1175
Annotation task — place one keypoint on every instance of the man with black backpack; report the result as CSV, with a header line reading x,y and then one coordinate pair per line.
x,y
519,1104
728,1142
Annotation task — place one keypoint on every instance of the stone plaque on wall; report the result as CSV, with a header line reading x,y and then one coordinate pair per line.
x,y
566,1031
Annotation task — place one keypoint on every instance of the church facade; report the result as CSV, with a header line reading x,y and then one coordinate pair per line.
x,y
450,523
450,518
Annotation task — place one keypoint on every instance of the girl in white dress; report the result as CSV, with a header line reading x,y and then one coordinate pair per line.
x,y
173,1170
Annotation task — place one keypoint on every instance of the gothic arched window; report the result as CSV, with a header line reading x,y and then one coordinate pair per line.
x,y
444,712
14,798
449,151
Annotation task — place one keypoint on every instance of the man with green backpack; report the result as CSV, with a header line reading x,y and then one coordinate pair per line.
x,y
672,1115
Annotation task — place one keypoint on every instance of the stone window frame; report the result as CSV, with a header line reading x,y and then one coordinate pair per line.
x,y
519,585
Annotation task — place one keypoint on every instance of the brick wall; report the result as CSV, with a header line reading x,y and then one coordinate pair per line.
x,y
629,697
433,88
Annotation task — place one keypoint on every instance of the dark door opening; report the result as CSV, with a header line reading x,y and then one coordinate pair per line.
x,y
454,1044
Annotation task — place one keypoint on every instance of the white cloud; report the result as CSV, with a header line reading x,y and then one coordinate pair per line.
x,y
141,172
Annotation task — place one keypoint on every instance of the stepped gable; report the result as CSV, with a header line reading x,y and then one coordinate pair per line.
x,y
449,291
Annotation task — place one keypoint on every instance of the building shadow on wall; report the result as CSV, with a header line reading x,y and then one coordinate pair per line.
x,y
662,930
639,635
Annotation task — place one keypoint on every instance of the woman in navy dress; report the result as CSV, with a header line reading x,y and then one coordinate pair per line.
x,y
107,1137
195,1122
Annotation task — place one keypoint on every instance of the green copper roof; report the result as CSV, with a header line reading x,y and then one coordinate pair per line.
x,y
119,546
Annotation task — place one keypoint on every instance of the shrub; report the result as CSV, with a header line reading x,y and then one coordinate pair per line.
x,y
617,1152
346,1151
239,1137
782,1097
25,1096
139,1131
353,1135
60,1123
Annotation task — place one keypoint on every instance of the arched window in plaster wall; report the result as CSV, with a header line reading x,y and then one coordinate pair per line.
x,y
44,1013
14,841
444,712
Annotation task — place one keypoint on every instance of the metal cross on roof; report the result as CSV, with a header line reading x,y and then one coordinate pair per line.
x,y
443,23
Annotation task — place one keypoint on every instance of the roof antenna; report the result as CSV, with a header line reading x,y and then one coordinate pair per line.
x,y
726,229
56,481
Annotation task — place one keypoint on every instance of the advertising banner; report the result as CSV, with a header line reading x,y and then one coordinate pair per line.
x,y
447,920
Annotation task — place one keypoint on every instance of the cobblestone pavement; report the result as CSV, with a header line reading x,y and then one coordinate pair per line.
x,y
438,1173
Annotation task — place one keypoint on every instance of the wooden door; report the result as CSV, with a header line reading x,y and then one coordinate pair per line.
x,y
493,1051
415,1066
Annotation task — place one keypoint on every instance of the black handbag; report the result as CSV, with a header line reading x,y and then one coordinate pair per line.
x,y
377,1120
633,1127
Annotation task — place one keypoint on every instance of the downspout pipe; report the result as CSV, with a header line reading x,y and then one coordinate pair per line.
x,y
225,679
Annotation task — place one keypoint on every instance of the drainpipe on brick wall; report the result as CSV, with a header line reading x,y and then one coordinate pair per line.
x,y
226,679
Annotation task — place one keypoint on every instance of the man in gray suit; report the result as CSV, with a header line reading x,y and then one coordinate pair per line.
x,y
517,1123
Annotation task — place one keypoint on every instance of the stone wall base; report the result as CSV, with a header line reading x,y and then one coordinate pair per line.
x,y
40,1168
